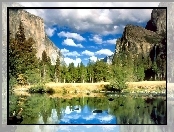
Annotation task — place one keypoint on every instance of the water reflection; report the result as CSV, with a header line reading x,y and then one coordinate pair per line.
x,y
122,109
86,116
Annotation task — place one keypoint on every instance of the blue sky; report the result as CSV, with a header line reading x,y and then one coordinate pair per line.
x,y
83,34
85,46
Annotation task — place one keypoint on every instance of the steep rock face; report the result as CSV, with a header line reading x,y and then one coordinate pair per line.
x,y
149,43
157,23
136,40
34,27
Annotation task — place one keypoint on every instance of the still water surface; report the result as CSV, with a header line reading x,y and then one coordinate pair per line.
x,y
111,109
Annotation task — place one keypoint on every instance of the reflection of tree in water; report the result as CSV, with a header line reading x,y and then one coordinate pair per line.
x,y
58,106
135,110
13,103
128,110
32,107
47,106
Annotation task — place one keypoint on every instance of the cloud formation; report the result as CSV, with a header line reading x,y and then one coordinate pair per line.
x,y
70,42
93,58
50,31
75,61
110,41
98,40
98,21
66,52
71,35
106,52
88,53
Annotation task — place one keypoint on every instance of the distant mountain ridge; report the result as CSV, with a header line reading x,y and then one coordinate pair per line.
x,y
108,59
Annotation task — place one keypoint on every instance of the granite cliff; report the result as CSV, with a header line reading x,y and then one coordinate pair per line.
x,y
150,42
136,39
34,27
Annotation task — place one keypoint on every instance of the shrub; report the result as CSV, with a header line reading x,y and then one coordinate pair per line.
x,y
50,90
37,89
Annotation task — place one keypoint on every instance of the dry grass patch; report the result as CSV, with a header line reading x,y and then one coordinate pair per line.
x,y
76,87
147,84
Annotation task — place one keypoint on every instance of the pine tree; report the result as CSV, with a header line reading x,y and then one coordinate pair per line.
x,y
22,55
83,73
139,67
44,57
70,74
90,71
78,73
64,72
58,70
43,63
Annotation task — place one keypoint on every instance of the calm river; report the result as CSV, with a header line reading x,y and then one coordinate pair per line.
x,y
110,109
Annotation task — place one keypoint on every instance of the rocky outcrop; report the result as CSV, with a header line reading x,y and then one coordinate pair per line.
x,y
137,40
157,23
143,40
148,43
34,27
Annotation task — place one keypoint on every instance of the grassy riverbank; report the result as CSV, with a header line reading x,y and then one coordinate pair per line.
x,y
86,88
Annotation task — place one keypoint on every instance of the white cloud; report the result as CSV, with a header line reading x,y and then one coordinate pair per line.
x,y
110,41
93,58
73,53
106,52
79,45
50,31
87,52
66,52
93,47
71,35
106,118
97,39
69,60
99,21
89,117
70,42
